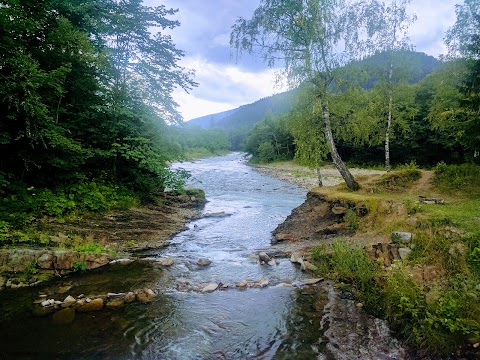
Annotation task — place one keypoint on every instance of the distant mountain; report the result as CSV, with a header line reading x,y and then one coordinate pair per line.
x,y
238,122
209,121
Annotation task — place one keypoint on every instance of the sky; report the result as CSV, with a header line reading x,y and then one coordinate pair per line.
x,y
226,82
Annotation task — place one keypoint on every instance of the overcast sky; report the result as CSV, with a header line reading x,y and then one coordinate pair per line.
x,y
225,84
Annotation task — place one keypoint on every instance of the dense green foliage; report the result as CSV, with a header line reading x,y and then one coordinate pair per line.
x,y
86,103
433,122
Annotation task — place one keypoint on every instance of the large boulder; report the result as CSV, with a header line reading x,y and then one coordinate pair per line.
x,y
296,258
308,266
115,301
263,258
94,261
260,283
242,284
69,301
45,261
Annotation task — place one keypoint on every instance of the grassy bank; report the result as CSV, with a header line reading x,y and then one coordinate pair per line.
x,y
431,296
201,153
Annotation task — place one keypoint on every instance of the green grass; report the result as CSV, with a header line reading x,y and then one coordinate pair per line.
x,y
440,313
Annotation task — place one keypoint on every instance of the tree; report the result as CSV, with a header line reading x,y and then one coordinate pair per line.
x,y
306,38
310,149
86,92
463,40
392,22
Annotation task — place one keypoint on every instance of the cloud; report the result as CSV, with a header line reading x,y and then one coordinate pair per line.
x,y
433,20
223,87
225,83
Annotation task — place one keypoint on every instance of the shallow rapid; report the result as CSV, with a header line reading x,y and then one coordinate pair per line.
x,y
276,322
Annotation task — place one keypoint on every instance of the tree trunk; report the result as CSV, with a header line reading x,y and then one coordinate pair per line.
x,y
337,160
319,177
387,133
389,119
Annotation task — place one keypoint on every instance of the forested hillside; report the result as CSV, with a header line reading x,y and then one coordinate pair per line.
x,y
238,123
86,104
432,118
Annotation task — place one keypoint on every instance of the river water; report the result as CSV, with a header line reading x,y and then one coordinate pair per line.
x,y
275,322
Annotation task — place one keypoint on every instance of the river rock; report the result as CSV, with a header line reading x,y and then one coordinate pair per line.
x,y
272,262
125,261
48,302
307,266
166,262
400,237
64,316
263,258
242,284
260,283
404,252
312,281
145,295
296,258
93,305
210,288
115,302
129,297
69,301
204,262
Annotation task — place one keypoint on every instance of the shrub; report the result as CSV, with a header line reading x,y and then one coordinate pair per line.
x,y
463,178
351,220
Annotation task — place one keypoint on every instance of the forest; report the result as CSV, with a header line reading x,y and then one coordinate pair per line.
x,y
90,125
89,121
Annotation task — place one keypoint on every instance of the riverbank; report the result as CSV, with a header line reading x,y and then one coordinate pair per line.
x,y
307,178
404,246
93,241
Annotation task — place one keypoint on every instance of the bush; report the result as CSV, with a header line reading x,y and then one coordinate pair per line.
x,y
351,220
21,206
463,178
350,262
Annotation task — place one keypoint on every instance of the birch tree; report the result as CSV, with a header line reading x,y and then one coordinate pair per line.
x,y
392,21
312,40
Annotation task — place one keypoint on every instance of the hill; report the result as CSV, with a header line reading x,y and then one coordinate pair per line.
x,y
238,122
209,121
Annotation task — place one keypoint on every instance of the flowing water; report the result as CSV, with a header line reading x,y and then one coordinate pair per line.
x,y
276,322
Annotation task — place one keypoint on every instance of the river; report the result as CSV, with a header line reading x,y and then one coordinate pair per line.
x,y
276,322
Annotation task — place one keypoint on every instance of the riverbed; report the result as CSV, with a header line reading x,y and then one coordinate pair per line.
x,y
282,320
